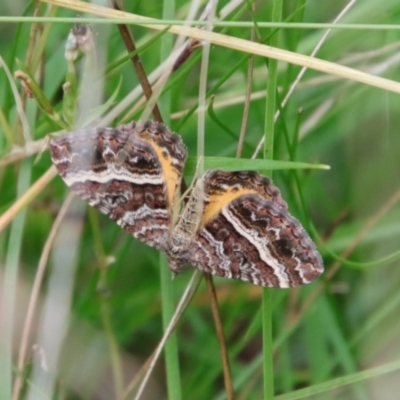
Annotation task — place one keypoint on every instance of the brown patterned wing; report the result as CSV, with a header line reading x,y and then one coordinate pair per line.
x,y
131,174
247,233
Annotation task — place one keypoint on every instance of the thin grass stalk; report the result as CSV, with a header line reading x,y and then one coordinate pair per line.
x,y
346,358
20,153
210,15
37,284
25,198
10,277
336,265
289,331
230,395
242,45
336,383
130,45
267,295
19,104
181,307
295,83
371,222
294,323
246,108
115,358
171,349
55,313
32,38
268,359
43,39
295,320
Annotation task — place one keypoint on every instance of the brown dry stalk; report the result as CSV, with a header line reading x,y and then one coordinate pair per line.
x,y
130,45
221,338
238,44
181,307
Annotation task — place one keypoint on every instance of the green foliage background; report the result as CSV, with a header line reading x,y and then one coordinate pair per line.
x,y
324,334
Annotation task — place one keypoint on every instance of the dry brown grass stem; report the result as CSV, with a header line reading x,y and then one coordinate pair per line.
x,y
148,367
130,45
221,338
19,153
242,45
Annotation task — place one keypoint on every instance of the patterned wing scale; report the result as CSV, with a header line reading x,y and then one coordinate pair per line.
x,y
246,233
235,224
131,174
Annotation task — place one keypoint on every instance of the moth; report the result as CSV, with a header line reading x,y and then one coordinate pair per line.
x,y
234,224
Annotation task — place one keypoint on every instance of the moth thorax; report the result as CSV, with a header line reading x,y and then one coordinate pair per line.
x,y
188,224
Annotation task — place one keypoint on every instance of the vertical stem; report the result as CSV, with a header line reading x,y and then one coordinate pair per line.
x,y
268,154
230,394
167,299
171,346
7,300
115,358
267,344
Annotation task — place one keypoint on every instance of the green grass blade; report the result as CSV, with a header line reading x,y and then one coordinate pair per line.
x,y
171,351
9,291
234,164
340,382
